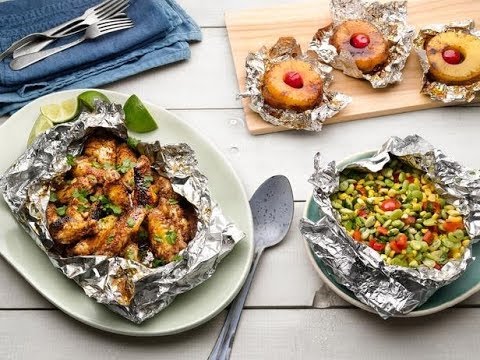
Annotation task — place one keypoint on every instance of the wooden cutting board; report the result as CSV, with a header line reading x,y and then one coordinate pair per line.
x,y
248,30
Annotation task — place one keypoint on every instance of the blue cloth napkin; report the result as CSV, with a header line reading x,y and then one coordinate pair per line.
x,y
160,36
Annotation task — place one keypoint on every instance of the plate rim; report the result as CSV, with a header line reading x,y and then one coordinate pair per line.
x,y
138,330
355,301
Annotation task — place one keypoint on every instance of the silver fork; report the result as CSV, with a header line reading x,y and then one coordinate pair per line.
x,y
101,11
93,31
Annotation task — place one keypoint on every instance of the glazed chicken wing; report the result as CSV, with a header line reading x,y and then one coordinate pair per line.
x,y
105,233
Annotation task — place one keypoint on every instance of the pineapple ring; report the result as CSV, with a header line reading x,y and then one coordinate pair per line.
x,y
282,96
369,58
467,71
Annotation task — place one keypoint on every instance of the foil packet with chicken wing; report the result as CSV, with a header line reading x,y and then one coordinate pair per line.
x,y
132,223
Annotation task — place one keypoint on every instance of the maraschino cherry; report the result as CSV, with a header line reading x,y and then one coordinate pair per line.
x,y
452,56
293,79
359,40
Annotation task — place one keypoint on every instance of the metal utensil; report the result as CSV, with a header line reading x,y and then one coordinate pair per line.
x,y
93,31
272,210
92,15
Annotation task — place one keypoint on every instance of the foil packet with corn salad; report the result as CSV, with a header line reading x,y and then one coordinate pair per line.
x,y
397,225
132,223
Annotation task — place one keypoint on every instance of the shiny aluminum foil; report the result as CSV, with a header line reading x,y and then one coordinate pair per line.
x,y
387,289
127,287
437,90
312,120
390,19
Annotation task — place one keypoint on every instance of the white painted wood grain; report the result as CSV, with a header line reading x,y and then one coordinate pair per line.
x,y
262,334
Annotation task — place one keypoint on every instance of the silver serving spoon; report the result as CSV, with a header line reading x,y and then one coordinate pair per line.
x,y
272,211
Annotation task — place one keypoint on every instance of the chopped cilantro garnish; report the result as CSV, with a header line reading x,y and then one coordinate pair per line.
x,y
53,196
80,195
177,258
148,207
62,210
110,239
71,160
126,165
171,237
147,180
96,165
131,222
129,254
116,210
132,142
172,201
157,262
108,166
83,208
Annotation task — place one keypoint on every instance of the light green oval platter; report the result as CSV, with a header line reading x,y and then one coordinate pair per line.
x,y
447,296
188,310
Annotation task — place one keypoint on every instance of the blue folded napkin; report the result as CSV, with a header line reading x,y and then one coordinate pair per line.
x,y
160,36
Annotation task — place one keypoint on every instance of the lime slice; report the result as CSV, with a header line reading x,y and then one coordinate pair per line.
x,y
137,117
59,113
89,97
41,125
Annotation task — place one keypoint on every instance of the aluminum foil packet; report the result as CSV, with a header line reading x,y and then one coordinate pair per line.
x,y
389,18
437,90
391,290
285,49
129,288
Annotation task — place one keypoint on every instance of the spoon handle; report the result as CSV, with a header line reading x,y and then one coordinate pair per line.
x,y
223,346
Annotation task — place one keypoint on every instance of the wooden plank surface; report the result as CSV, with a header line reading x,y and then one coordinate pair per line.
x,y
248,30
262,334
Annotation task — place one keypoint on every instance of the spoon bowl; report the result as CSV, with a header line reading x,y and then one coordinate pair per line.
x,y
272,211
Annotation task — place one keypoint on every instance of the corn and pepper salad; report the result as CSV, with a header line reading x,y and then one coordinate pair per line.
x,y
398,213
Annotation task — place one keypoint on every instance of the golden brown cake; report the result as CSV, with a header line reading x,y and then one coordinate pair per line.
x,y
364,42
454,58
292,85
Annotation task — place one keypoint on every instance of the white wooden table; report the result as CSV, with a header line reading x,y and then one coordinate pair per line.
x,y
289,314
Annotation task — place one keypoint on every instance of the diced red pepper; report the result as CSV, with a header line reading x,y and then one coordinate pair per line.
x,y
362,213
378,246
438,266
395,177
433,229
410,179
402,242
357,235
450,226
362,190
394,247
390,205
432,206
428,237
382,231
410,220
371,243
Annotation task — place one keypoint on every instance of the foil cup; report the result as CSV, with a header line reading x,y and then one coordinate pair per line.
x,y
129,288
437,90
285,49
389,18
391,290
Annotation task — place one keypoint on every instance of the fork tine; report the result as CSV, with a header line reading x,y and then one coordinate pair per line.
x,y
107,23
103,4
119,6
116,28
109,27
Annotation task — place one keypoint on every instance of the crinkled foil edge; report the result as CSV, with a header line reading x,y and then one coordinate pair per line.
x,y
390,18
391,290
107,280
436,90
311,120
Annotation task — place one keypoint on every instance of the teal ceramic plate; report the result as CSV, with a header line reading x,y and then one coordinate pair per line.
x,y
188,310
450,295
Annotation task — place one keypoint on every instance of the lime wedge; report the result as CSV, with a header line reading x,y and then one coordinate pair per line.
x,y
137,117
59,113
41,125
89,97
